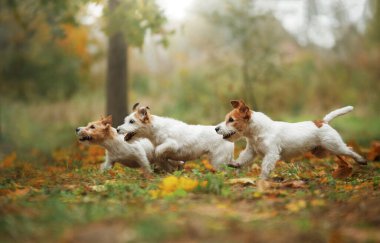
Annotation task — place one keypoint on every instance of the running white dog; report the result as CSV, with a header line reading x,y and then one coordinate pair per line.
x,y
177,140
275,140
137,154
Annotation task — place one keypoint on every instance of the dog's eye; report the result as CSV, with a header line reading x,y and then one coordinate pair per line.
x,y
92,127
132,121
231,119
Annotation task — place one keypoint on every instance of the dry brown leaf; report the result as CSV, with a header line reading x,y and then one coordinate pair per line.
x,y
8,160
374,151
294,184
344,169
19,192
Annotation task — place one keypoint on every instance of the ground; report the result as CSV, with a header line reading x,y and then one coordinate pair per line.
x,y
64,197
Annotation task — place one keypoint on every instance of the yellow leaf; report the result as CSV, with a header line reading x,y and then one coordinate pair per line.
x,y
296,205
318,202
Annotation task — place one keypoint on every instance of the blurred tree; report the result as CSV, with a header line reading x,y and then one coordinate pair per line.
x,y
32,62
128,21
373,24
255,36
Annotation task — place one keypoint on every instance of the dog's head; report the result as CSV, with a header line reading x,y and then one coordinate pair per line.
x,y
95,132
137,124
236,121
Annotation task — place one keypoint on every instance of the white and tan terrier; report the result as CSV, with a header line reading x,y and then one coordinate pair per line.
x,y
275,140
139,154
177,140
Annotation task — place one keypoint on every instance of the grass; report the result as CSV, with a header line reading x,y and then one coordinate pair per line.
x,y
65,198
53,123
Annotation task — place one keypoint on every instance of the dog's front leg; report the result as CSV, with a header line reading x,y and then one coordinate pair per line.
x,y
246,156
169,146
142,160
107,164
268,164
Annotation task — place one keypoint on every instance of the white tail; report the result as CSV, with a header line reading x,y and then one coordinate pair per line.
x,y
336,113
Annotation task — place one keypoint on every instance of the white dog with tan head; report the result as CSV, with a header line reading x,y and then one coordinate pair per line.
x,y
177,140
275,140
137,154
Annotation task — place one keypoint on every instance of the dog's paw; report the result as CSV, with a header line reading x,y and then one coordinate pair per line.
x,y
234,165
362,161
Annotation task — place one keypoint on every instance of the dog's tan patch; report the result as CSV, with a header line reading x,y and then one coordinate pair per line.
x,y
319,123
239,117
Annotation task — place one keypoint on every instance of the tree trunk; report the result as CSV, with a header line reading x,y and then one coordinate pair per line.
x,y
117,75
248,87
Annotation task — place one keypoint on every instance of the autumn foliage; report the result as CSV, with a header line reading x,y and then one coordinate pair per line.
x,y
303,192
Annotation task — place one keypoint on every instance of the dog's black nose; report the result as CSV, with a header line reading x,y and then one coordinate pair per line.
x,y
77,129
217,129
118,130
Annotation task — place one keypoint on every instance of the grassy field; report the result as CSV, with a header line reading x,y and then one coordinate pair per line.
x,y
63,197
53,123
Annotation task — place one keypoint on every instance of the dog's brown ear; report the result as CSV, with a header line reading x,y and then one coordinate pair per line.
x,y
244,109
107,120
135,106
235,103
143,113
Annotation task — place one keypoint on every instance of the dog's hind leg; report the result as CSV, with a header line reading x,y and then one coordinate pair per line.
x,y
169,146
334,143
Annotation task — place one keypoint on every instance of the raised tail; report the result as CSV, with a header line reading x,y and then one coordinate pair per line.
x,y
336,113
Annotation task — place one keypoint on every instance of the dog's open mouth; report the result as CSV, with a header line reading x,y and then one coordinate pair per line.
x,y
225,136
129,135
85,138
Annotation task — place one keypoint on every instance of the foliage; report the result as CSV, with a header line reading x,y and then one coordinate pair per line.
x,y
134,19
66,198
32,63
245,30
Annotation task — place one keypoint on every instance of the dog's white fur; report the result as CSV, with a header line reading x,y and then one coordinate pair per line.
x,y
177,140
275,140
136,154
139,153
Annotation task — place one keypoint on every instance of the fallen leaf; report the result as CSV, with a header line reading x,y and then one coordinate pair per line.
x,y
317,203
344,169
242,181
374,151
98,188
8,160
19,192
296,206
294,184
